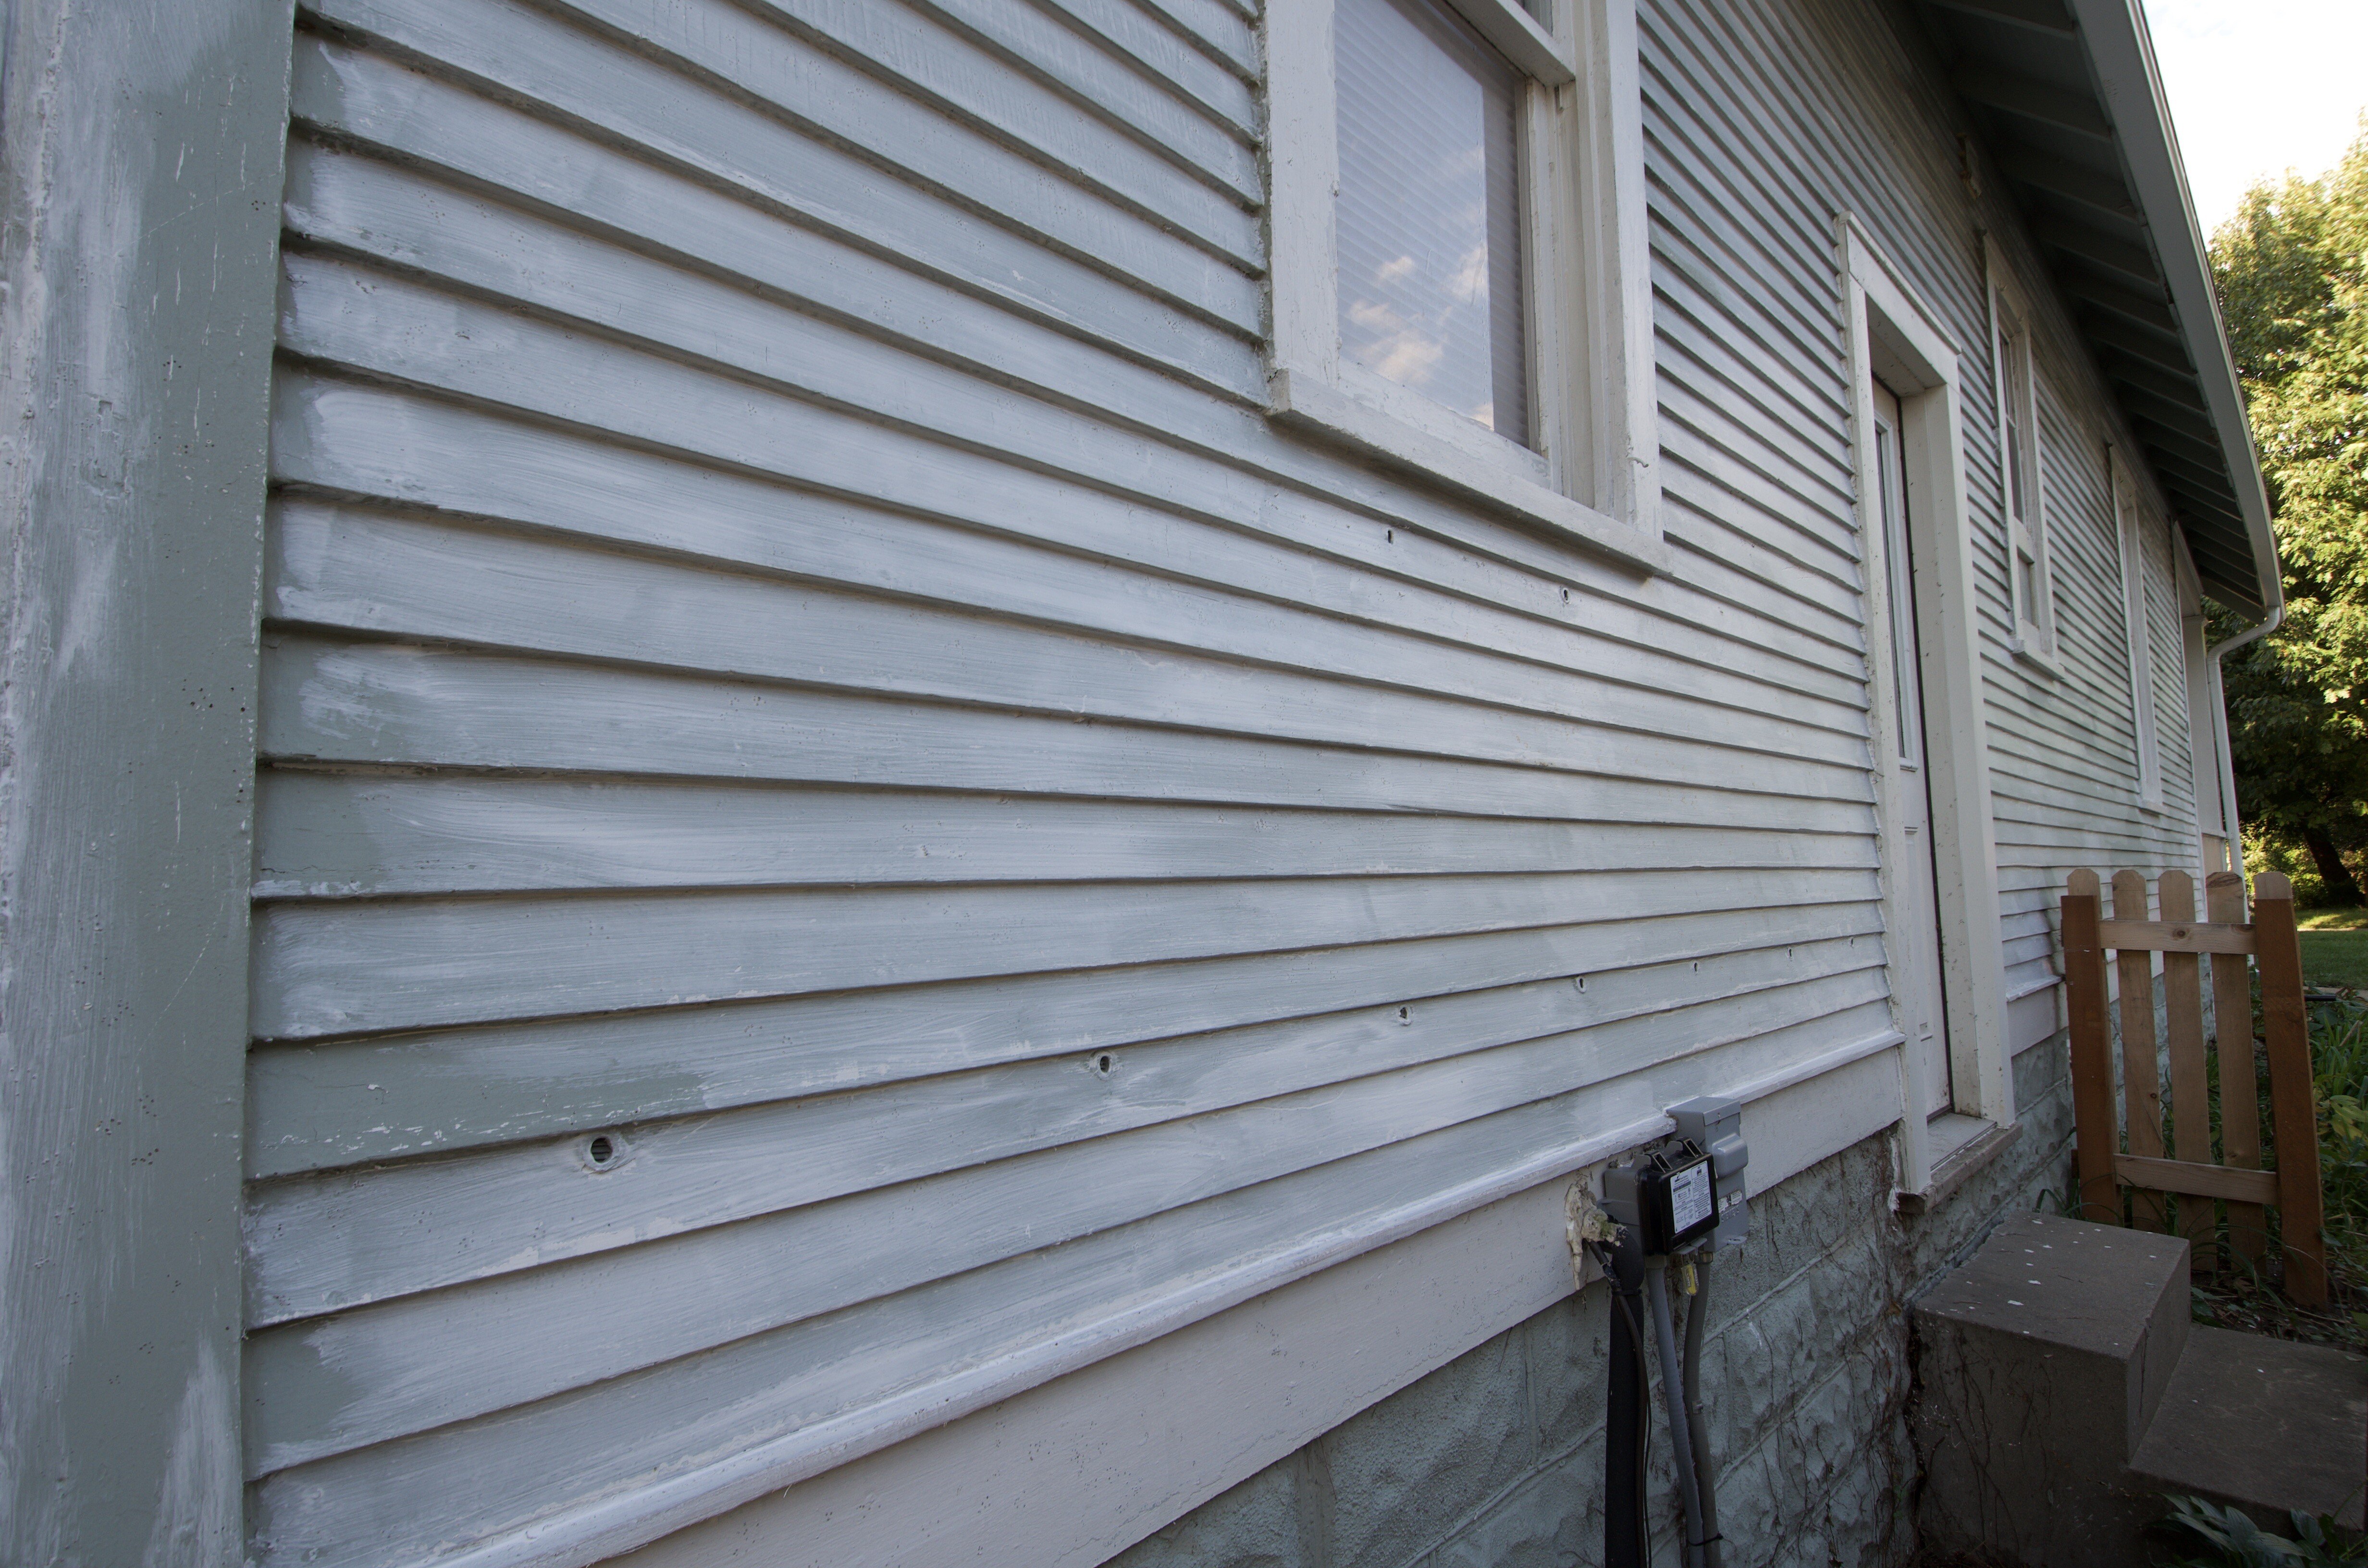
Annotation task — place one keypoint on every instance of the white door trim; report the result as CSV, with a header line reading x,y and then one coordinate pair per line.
x,y
1892,334
1912,944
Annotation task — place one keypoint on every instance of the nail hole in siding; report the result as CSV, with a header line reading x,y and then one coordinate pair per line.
x,y
1102,1063
1389,536
1580,981
1406,1014
602,1151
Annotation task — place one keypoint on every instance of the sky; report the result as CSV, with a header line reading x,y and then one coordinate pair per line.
x,y
2258,88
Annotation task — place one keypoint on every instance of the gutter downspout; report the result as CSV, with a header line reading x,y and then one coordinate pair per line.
x,y
2235,842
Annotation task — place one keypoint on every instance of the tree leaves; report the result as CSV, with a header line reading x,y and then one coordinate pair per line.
x,y
2293,271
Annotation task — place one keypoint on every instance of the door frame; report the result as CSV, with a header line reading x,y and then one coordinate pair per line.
x,y
1916,993
1894,335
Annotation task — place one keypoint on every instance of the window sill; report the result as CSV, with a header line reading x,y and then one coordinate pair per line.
x,y
1299,401
2027,651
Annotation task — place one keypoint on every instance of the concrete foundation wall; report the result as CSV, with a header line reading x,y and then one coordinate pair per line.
x,y
1496,1460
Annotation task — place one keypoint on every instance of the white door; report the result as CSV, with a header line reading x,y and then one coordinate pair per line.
x,y
1915,947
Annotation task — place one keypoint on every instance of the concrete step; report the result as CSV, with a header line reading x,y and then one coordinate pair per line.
x,y
2265,1423
2040,1363
2061,1391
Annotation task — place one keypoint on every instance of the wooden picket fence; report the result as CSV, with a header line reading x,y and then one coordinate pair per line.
x,y
2174,1158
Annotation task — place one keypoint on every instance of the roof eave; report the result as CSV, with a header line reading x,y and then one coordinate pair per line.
x,y
2122,57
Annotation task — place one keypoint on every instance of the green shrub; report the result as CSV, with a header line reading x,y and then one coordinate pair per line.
x,y
2235,1541
2338,1057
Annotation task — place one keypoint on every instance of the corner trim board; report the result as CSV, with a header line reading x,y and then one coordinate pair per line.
x,y
145,148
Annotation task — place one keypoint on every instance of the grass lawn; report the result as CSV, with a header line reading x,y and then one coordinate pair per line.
x,y
2335,948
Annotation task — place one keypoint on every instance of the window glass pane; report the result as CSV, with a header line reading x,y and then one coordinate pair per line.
x,y
2009,355
1908,674
1429,214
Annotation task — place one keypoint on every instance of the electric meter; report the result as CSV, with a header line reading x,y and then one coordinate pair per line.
x,y
1688,1190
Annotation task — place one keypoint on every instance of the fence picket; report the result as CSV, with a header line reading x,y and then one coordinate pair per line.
x,y
2141,1077
2092,1062
2240,1081
2293,1122
2191,1081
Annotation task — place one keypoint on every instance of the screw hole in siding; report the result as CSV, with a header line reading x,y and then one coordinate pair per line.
x,y
602,1151
1102,1064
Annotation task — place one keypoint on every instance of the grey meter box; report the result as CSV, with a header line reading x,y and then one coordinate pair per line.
x,y
1716,1125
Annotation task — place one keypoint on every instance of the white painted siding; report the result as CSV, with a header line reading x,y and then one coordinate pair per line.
x,y
791,642
1762,121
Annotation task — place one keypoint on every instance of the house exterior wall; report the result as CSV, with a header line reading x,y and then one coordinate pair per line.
x,y
817,656
847,838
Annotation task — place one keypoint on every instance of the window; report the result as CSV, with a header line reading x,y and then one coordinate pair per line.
x,y
2205,712
1457,252
1429,218
2022,495
2138,619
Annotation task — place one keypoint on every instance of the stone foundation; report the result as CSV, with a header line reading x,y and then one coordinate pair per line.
x,y
1496,1460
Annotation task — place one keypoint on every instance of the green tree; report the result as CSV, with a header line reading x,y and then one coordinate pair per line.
x,y
2293,271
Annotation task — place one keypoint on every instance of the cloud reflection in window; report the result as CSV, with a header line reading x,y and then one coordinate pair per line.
x,y
1429,228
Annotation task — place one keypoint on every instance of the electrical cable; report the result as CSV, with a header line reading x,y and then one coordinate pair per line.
x,y
1706,1475
1665,1336
1627,1457
1643,1425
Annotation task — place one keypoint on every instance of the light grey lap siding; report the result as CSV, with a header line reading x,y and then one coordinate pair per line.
x,y
791,642
1763,121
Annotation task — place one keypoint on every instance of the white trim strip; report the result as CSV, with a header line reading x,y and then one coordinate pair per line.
x,y
622,1521
2035,988
1816,1066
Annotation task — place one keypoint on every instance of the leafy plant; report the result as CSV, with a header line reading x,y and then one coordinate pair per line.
x,y
2339,1052
2293,271
2238,1542
2244,1294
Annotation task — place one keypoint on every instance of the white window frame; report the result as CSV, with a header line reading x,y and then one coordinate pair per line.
x,y
2014,386
1592,477
1891,333
2203,700
2130,522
